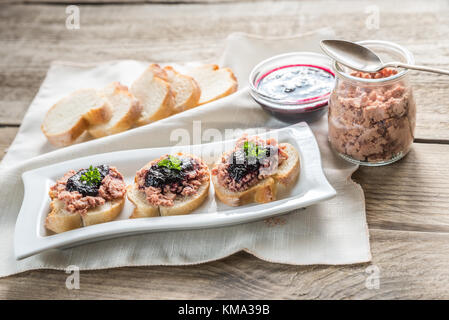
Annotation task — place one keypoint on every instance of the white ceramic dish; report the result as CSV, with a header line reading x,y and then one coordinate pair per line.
x,y
31,237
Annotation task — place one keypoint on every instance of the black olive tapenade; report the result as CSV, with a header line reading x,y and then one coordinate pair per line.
x,y
241,164
74,183
159,176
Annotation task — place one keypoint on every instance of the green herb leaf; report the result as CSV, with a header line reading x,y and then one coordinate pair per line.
x,y
253,150
171,163
92,176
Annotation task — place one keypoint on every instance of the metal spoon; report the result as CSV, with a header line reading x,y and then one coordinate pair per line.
x,y
360,58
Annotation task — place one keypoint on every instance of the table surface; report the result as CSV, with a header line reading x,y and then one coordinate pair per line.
x,y
407,203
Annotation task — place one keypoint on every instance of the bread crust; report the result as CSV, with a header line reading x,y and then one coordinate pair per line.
x,y
96,217
96,115
266,190
126,122
233,88
142,208
166,108
263,192
99,115
60,220
68,137
193,99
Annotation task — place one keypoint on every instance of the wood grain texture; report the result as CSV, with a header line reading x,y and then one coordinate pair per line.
x,y
404,273
412,194
31,36
7,135
407,203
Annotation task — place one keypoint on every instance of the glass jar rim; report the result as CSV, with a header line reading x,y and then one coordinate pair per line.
x,y
387,44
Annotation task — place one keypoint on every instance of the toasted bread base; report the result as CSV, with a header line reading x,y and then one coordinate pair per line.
x,y
262,192
183,205
60,220
265,190
142,209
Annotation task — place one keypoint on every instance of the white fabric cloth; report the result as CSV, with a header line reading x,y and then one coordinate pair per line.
x,y
332,232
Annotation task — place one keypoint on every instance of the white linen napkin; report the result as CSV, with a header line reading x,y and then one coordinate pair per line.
x,y
332,232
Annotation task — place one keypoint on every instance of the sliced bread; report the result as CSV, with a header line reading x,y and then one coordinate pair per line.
x,y
264,191
154,92
214,82
60,220
126,109
72,115
187,91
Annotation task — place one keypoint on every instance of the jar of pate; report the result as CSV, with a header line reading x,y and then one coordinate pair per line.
x,y
372,116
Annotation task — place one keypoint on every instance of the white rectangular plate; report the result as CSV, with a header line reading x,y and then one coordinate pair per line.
x,y
31,237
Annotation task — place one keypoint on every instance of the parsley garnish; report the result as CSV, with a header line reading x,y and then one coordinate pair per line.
x,y
253,150
171,163
91,176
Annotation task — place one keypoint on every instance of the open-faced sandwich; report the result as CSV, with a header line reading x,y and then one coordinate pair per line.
x,y
86,197
254,170
170,185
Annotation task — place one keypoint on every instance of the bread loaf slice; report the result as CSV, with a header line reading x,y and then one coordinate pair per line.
x,y
126,109
72,115
60,220
187,91
214,82
154,93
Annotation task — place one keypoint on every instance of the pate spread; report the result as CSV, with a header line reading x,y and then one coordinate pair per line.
x,y
162,182
372,123
251,160
79,196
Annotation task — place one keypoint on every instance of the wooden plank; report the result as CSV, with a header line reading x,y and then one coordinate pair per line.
x,y
31,36
7,135
412,194
409,264
172,2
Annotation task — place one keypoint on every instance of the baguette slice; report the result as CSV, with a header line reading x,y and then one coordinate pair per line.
x,y
143,208
60,220
72,115
288,172
214,82
262,192
266,190
126,109
155,95
187,90
186,204
183,204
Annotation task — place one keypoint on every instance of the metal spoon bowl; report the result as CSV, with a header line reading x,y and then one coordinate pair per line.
x,y
360,58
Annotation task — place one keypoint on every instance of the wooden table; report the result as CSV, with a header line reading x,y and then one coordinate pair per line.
x,y
407,203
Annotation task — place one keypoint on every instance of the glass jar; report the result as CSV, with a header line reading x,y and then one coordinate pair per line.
x,y
301,88
372,117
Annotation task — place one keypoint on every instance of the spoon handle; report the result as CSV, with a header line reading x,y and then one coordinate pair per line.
x,y
415,67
